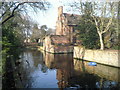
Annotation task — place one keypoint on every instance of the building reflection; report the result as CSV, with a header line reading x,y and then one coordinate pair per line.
x,y
63,63
77,73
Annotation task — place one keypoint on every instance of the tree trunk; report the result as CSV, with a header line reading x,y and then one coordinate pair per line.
x,y
101,41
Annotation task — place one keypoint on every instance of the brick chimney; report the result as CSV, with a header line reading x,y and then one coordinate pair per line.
x,y
60,11
59,24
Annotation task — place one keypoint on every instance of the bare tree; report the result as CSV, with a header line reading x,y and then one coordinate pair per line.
x,y
20,7
103,22
103,14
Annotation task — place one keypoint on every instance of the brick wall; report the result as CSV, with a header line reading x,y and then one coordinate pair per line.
x,y
61,25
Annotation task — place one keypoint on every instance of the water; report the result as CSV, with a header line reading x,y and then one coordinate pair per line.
x,y
44,70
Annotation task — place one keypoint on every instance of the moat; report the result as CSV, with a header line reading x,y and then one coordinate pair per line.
x,y
44,70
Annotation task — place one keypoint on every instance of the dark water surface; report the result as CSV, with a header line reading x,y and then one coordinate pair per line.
x,y
43,70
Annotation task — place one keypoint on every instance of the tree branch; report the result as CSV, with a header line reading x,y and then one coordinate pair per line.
x,y
96,23
12,14
6,10
108,26
111,19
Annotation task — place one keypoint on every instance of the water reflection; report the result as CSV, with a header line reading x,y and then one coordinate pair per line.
x,y
45,70
102,76
107,72
34,73
63,63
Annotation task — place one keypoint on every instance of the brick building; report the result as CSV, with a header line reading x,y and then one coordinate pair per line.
x,y
64,39
65,24
57,44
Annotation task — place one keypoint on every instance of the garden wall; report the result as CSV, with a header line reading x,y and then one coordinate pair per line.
x,y
108,57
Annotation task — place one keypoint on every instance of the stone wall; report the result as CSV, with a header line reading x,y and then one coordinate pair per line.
x,y
63,49
59,49
57,44
108,57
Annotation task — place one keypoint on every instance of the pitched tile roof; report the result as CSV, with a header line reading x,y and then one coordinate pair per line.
x,y
73,19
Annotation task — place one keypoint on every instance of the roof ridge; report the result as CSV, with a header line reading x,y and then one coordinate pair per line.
x,y
72,14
